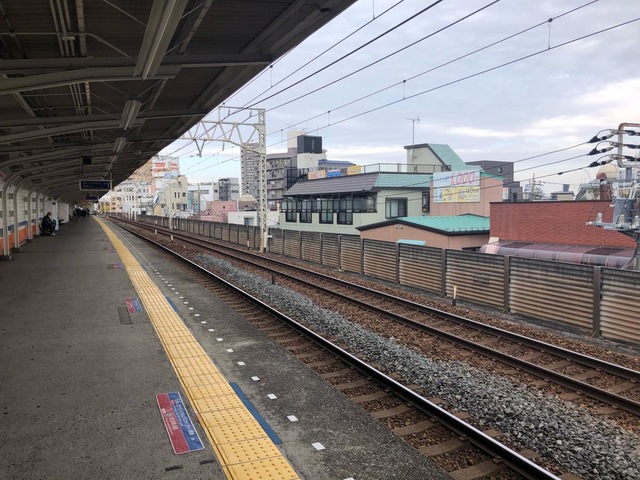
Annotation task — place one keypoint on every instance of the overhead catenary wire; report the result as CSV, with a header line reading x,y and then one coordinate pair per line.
x,y
482,72
511,62
345,38
404,48
446,27
437,67
295,71
347,55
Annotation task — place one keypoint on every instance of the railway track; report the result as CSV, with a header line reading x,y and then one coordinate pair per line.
x,y
458,447
586,376
449,448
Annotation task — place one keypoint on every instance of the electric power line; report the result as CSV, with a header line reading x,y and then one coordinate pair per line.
x,y
320,54
480,73
453,82
372,63
404,81
415,76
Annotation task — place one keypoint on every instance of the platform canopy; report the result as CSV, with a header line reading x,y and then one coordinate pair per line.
x,y
93,89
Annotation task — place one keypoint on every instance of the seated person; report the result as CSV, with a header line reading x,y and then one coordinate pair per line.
x,y
46,226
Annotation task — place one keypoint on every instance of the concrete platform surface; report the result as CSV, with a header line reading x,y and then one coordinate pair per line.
x,y
78,382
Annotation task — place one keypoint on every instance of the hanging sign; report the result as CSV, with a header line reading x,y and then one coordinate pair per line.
x,y
95,185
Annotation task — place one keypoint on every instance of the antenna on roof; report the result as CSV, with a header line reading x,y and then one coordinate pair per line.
x,y
413,135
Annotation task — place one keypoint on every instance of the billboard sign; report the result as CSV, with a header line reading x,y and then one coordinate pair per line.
x,y
456,187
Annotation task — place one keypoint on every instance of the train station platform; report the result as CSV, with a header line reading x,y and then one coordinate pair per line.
x,y
95,326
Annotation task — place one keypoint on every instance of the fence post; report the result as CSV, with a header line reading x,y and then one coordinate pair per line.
x,y
397,263
443,274
507,281
597,291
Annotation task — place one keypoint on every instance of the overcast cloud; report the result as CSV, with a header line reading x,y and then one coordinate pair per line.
x,y
556,99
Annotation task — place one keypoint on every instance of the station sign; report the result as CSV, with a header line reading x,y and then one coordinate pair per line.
x,y
92,198
95,185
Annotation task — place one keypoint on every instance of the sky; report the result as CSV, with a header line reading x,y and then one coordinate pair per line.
x,y
564,93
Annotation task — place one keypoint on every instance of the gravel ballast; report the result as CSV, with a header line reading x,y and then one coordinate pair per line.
x,y
592,447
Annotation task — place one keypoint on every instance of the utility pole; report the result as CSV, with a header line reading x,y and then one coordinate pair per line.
x,y
135,200
626,207
533,194
199,201
170,207
239,133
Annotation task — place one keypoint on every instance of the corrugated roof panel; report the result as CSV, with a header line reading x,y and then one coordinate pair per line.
x,y
455,223
327,186
403,180
449,157
209,51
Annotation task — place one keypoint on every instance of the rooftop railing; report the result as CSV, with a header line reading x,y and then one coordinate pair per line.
x,y
403,168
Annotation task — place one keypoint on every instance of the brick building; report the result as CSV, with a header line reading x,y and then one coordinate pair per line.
x,y
558,231
557,222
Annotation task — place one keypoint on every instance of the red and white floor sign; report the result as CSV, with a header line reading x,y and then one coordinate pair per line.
x,y
183,435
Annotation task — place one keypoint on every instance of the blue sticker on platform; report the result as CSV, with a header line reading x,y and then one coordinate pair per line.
x,y
263,423
173,305
133,305
183,435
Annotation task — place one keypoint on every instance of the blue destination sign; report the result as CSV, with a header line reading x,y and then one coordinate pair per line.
x,y
95,185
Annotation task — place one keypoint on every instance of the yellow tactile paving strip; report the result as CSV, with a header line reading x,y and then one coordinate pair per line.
x,y
243,448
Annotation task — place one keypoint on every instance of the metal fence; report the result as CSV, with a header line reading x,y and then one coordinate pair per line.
x,y
598,300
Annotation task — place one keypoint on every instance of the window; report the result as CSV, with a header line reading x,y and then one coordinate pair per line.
x,y
345,218
345,204
326,205
326,217
305,217
395,207
287,205
305,211
291,217
364,204
426,201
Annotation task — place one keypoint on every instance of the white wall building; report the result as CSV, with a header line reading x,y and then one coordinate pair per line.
x,y
250,218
